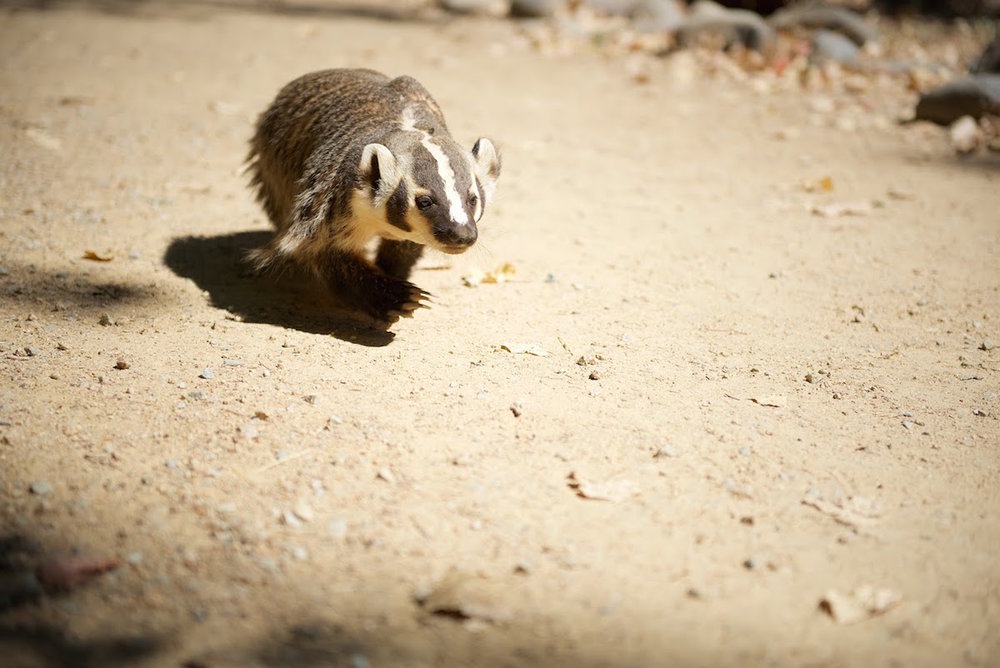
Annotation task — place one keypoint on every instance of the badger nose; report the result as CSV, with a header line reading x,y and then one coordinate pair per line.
x,y
460,235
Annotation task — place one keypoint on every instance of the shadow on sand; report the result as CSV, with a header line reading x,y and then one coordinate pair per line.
x,y
382,11
288,299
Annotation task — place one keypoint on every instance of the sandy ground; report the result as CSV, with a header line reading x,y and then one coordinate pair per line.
x,y
777,404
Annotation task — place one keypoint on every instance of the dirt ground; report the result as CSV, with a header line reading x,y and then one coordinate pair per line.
x,y
779,402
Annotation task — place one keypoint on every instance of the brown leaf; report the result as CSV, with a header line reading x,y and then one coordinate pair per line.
x,y
96,257
68,574
464,596
863,603
613,489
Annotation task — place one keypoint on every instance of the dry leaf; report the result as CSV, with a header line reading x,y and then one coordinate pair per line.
x,y
464,596
614,489
863,603
863,513
823,185
524,348
773,401
43,139
839,209
96,257
501,274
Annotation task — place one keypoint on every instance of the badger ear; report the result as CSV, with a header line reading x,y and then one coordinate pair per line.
x,y
379,172
487,161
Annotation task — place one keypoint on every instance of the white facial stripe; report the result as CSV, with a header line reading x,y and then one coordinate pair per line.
x,y
455,208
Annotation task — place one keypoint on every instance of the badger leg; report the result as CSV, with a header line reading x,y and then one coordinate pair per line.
x,y
362,285
396,258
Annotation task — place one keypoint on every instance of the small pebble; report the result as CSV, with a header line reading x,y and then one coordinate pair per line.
x,y
121,365
516,408
311,398
665,451
171,463
385,474
106,320
594,375
30,351
40,487
359,661
233,362
300,553
304,511
337,528
750,564
207,374
134,558
985,345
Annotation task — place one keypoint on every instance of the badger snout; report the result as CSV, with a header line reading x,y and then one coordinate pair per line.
x,y
456,237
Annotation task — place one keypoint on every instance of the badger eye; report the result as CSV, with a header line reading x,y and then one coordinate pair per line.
x,y
424,202
473,200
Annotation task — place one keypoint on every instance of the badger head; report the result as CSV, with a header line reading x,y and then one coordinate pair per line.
x,y
428,189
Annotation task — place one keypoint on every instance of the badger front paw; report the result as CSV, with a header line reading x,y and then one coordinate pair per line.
x,y
396,299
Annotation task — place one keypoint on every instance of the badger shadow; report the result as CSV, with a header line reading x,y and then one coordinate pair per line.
x,y
287,298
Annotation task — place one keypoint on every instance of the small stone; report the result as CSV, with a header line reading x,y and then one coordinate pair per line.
x,y
385,474
300,553
171,463
664,451
833,46
750,564
811,378
134,558
966,135
30,351
106,320
594,375
336,419
249,430
40,487
207,374
359,661
987,345
304,511
337,528
121,365
289,519
233,362
311,398
516,408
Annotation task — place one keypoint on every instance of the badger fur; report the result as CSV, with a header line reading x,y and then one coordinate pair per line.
x,y
347,155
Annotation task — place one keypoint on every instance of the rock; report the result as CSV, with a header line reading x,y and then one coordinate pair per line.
x,y
988,61
833,46
40,487
818,15
975,96
533,9
734,25
207,374
966,135
658,15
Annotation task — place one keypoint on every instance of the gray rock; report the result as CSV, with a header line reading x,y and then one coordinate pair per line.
x,y
735,25
533,9
988,61
833,46
818,15
975,96
657,15
40,487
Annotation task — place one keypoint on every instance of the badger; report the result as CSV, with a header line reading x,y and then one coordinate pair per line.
x,y
345,156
